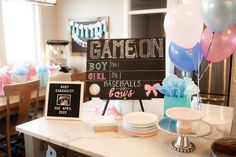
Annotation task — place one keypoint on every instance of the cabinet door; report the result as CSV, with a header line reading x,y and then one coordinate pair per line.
x,y
145,19
147,4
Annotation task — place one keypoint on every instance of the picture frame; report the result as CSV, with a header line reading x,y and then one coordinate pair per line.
x,y
64,100
93,28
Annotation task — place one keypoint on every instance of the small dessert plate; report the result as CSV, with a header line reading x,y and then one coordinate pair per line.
x,y
140,118
140,134
139,128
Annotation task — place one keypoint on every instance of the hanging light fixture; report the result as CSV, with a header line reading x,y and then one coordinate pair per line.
x,y
43,2
40,2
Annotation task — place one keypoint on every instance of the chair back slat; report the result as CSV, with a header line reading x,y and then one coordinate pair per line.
x,y
24,109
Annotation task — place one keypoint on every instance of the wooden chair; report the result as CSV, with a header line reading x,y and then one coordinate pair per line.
x,y
24,91
80,77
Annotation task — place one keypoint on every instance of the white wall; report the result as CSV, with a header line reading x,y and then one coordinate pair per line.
x,y
48,27
2,43
75,9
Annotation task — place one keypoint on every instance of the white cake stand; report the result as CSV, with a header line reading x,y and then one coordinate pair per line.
x,y
182,143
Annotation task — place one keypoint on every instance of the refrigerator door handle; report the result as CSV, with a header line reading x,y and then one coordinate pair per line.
x,y
212,99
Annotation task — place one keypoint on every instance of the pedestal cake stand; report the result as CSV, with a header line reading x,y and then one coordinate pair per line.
x,y
182,143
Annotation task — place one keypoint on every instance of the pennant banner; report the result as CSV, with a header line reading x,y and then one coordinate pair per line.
x,y
81,31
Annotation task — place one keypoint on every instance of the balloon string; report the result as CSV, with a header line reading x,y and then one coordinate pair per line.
x,y
195,67
205,71
211,41
199,101
208,52
198,105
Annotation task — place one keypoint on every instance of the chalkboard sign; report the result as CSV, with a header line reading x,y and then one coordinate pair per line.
x,y
64,100
125,68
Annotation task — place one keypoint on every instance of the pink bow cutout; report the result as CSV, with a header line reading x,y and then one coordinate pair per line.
x,y
150,89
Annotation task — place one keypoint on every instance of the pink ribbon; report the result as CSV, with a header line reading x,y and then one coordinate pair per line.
x,y
150,89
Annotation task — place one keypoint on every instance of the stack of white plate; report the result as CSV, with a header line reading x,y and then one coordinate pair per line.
x,y
140,124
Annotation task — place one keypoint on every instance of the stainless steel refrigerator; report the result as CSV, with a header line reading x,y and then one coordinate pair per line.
x,y
215,83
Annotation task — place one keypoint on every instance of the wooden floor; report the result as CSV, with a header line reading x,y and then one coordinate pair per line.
x,y
1,154
15,153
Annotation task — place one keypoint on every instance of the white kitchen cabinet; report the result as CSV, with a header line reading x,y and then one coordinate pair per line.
x,y
145,19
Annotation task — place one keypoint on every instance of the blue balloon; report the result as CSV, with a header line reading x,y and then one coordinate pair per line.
x,y
185,59
218,14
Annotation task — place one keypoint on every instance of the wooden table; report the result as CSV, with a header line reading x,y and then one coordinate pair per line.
x,y
74,137
15,100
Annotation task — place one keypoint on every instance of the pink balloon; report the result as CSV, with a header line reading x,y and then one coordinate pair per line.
x,y
223,44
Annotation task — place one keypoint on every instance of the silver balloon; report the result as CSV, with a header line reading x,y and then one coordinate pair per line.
x,y
219,14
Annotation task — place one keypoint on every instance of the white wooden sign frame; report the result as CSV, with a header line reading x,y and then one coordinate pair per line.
x,y
48,94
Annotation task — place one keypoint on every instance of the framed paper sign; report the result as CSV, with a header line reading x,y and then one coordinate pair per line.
x,y
64,100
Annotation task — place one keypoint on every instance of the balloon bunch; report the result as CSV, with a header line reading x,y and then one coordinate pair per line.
x,y
184,24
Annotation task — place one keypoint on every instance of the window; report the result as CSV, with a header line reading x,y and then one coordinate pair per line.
x,y
21,31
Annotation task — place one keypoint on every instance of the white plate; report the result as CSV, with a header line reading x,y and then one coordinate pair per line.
x,y
141,131
184,114
140,118
141,135
139,126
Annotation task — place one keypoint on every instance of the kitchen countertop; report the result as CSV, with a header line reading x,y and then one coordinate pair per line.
x,y
79,136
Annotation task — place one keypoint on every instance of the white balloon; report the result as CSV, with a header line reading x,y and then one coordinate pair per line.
x,y
183,24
